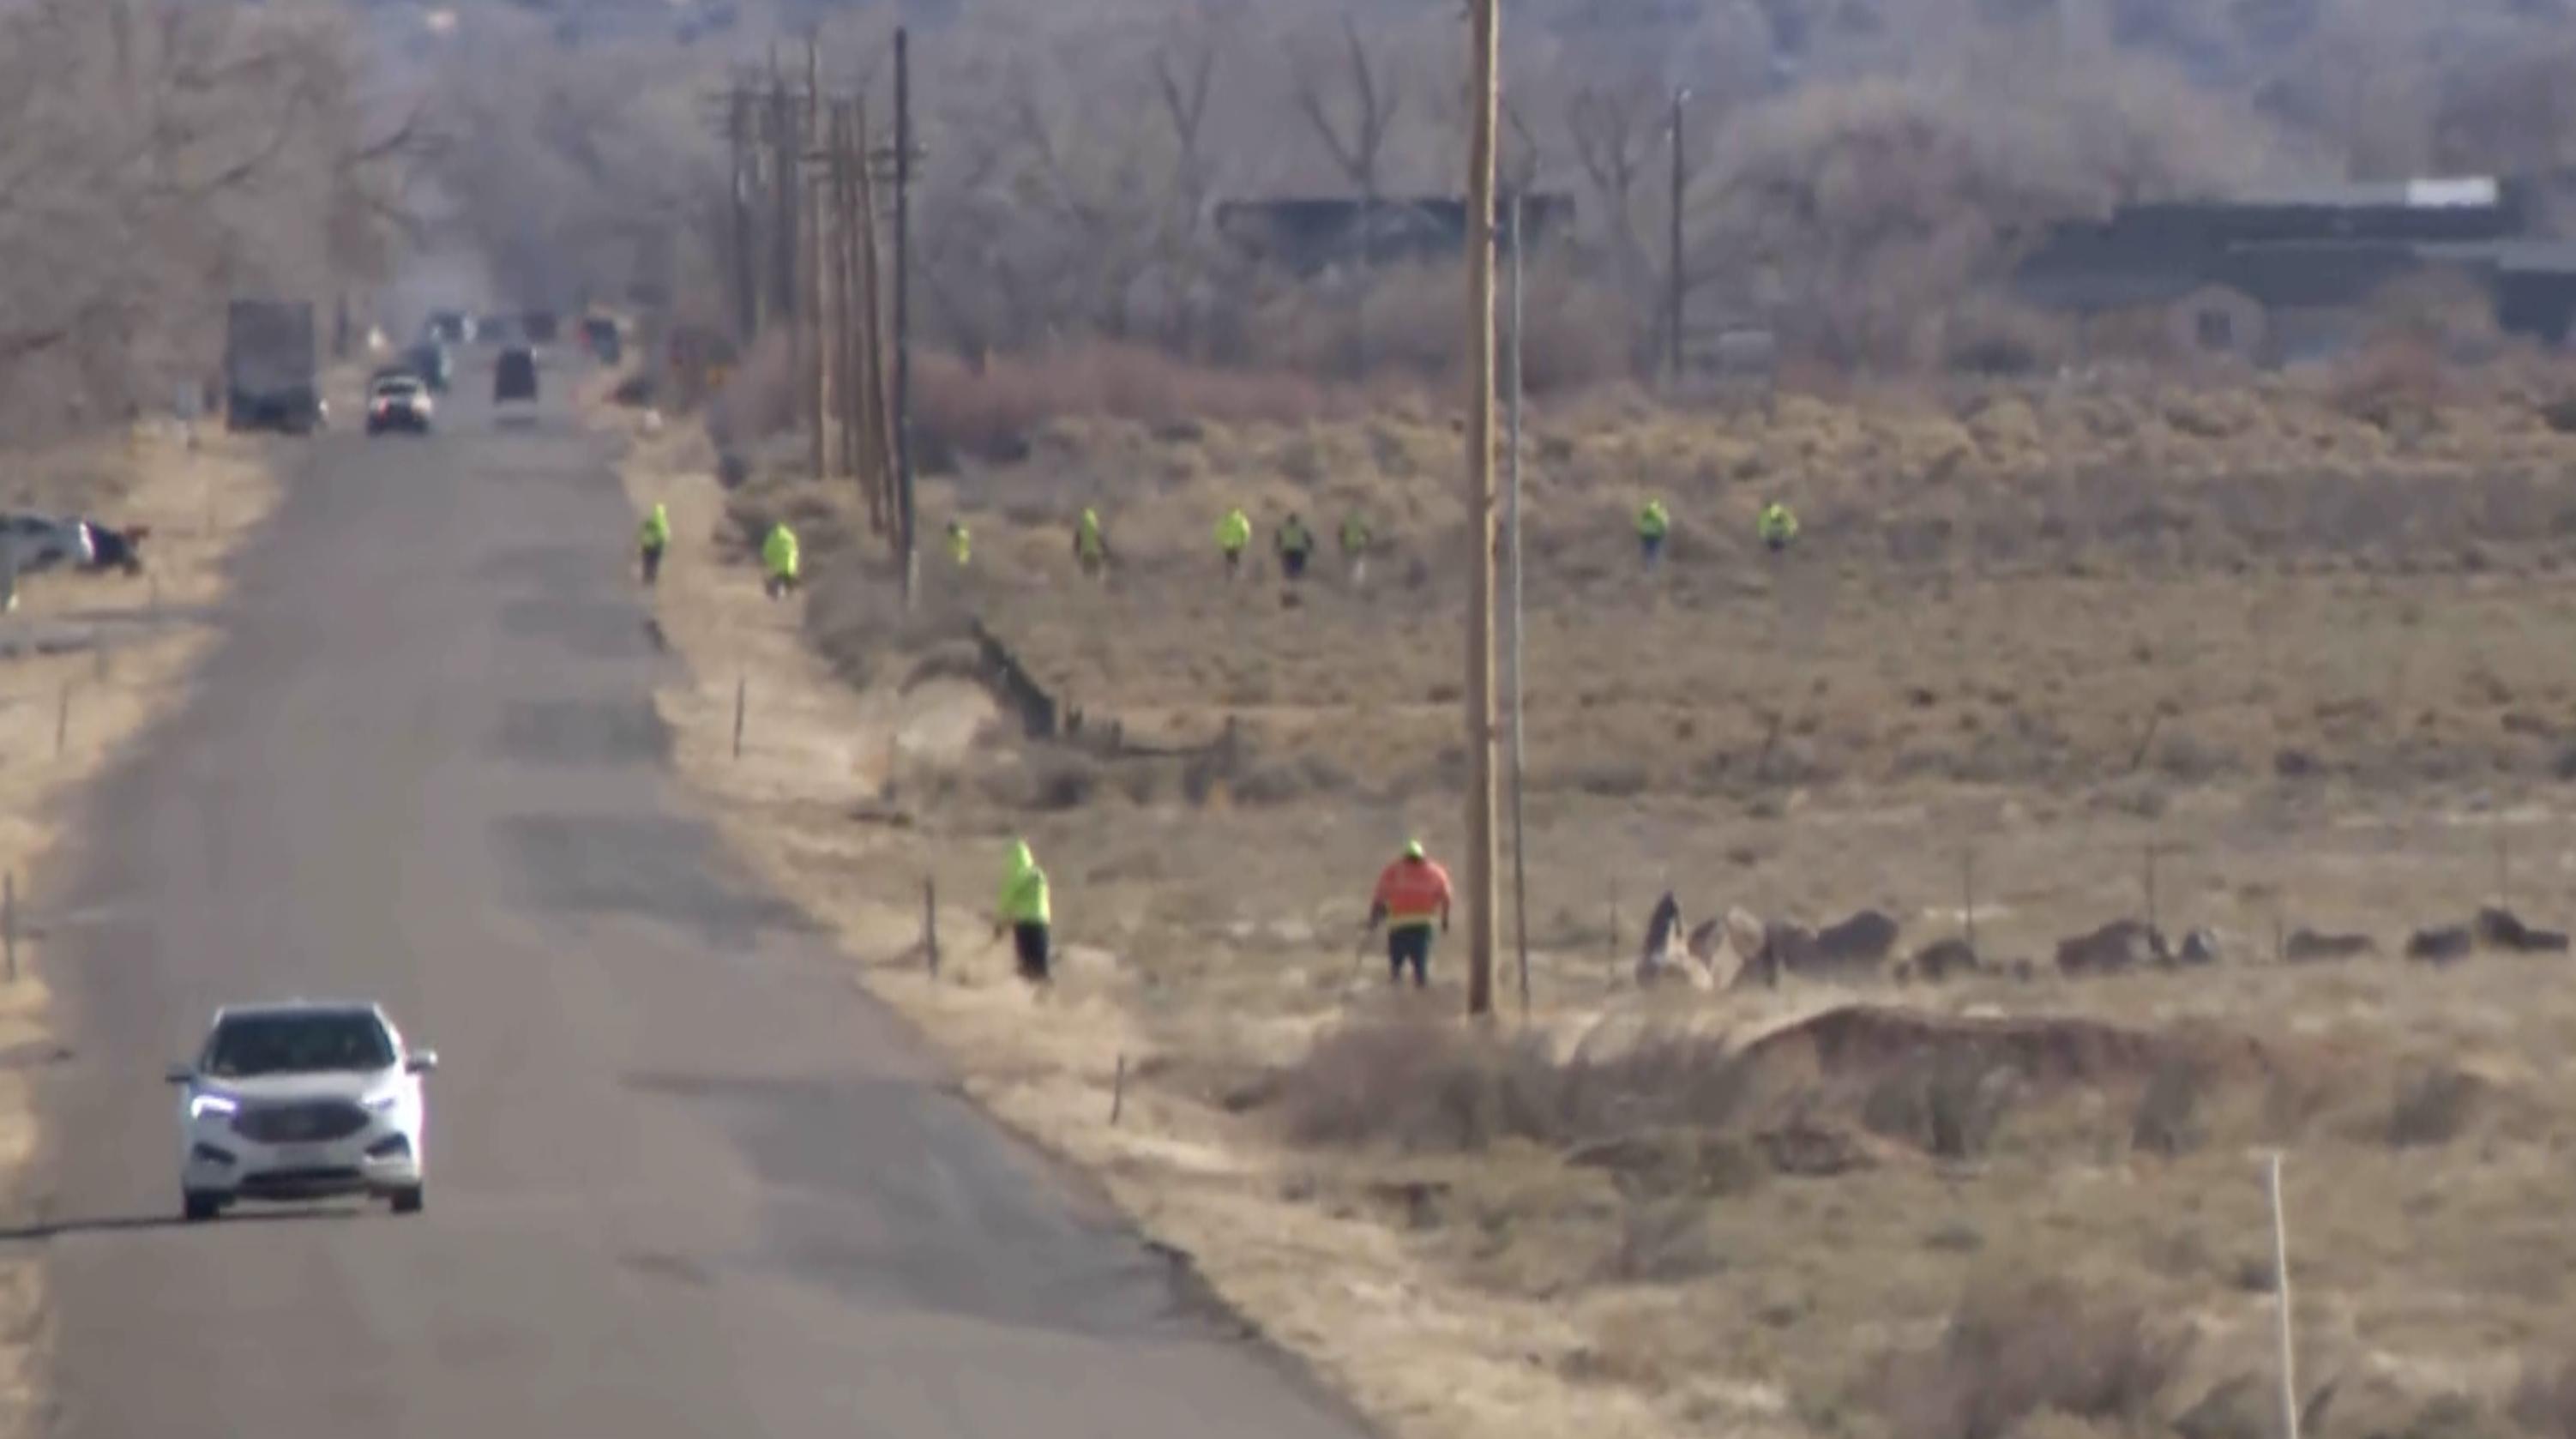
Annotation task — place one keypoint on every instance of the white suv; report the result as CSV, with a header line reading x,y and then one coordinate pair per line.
x,y
301,1101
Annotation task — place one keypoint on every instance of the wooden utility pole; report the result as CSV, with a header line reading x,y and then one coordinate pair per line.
x,y
780,133
1482,911
746,241
1673,278
815,378
844,274
907,530
1519,650
876,403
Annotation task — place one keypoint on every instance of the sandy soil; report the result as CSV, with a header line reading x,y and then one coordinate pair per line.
x,y
65,717
2310,678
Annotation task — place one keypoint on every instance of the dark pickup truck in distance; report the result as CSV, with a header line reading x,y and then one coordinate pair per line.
x,y
514,376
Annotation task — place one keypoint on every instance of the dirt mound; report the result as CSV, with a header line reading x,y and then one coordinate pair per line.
x,y
1864,1043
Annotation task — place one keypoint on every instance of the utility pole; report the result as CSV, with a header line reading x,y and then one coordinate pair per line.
x,y
848,417
1512,467
876,404
1485,22
1673,247
906,529
782,183
746,264
814,378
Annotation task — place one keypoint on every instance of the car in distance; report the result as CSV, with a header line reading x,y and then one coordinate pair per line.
x,y
433,362
398,401
301,1101
514,376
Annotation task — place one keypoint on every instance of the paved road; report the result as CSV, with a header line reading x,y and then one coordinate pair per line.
x,y
685,1181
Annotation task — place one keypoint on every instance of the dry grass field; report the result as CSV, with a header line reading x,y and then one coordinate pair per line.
x,y
63,717
2283,656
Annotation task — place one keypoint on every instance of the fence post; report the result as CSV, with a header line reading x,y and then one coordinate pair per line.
x,y
2151,887
9,922
930,922
1968,895
2281,1291
2504,870
741,696
62,719
1118,1090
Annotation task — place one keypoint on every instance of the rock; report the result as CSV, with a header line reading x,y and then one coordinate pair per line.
x,y
2115,948
1815,1150
1862,942
2198,947
2448,944
1943,960
2499,928
2308,946
1744,935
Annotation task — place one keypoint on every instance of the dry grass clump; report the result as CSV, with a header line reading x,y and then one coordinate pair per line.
x,y
2433,1106
1419,1085
2017,1349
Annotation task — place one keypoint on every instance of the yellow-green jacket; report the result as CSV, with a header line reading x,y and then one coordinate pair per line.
x,y
656,534
1234,532
778,553
1024,889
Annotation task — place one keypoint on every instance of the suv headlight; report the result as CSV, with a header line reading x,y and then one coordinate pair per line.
x,y
380,1103
202,1105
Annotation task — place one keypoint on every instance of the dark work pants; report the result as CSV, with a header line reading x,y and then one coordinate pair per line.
x,y
1031,942
652,563
1292,563
1410,944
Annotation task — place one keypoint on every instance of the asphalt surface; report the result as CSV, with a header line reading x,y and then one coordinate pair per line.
x,y
684,1179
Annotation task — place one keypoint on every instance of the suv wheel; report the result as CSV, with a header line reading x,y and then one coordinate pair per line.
x,y
408,1201
199,1206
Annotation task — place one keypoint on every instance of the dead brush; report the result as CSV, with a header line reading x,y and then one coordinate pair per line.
x,y
1419,1085
2544,1402
2015,1350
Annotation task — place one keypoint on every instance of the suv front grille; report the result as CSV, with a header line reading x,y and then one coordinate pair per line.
x,y
310,1122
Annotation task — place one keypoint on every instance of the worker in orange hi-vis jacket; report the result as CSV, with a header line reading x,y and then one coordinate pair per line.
x,y
1412,895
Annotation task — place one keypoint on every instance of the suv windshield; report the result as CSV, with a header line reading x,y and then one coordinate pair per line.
x,y
249,1045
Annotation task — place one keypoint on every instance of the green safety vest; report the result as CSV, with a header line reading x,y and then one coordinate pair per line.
x,y
1652,522
778,552
657,529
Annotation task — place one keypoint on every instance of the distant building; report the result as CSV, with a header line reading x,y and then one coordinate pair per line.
x,y
1311,236
2283,276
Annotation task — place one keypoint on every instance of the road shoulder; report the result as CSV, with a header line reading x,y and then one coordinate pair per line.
x,y
118,654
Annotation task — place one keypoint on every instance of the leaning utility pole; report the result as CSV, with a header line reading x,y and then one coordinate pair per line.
x,y
907,531
1673,247
1485,22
